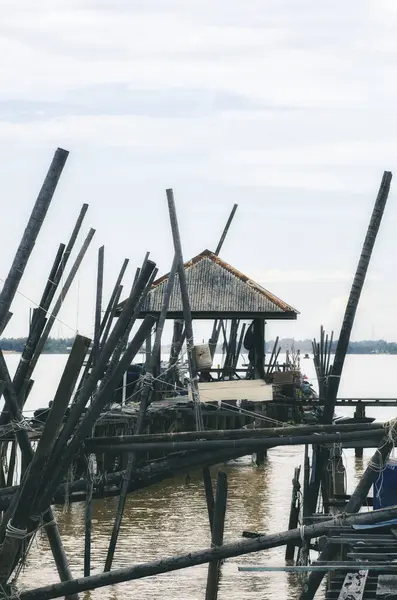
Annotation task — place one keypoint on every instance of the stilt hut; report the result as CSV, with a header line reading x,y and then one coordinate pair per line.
x,y
239,309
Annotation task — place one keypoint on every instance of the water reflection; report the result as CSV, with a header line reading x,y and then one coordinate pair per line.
x,y
171,518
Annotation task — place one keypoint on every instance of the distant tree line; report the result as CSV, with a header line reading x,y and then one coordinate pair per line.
x,y
52,346
63,345
361,347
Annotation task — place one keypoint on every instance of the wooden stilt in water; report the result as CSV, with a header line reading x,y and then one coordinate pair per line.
x,y
217,535
294,513
167,565
88,518
209,495
359,413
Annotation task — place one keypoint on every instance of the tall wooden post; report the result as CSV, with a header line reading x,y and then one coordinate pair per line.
x,y
259,348
187,314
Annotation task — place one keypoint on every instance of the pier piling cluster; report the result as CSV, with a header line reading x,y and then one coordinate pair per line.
x,y
81,453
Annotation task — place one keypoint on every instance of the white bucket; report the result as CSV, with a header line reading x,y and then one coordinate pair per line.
x,y
203,356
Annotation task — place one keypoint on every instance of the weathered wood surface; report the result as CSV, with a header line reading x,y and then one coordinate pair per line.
x,y
386,587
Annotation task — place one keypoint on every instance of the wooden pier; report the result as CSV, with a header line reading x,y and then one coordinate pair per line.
x,y
114,426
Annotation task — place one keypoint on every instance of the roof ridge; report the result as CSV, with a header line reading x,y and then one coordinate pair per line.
x,y
255,287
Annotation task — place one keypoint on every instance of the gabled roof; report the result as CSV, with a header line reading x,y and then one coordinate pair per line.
x,y
217,289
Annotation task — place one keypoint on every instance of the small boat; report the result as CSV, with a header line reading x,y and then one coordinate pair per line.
x,y
306,356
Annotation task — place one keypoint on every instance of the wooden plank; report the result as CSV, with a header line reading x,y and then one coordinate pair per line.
x,y
353,586
387,556
386,586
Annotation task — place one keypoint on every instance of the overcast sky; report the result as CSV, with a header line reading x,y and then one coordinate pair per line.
x,y
287,107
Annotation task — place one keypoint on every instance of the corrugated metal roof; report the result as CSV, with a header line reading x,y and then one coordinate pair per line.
x,y
216,287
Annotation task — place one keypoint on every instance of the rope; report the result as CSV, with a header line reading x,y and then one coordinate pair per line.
x,y
379,465
15,533
43,309
8,592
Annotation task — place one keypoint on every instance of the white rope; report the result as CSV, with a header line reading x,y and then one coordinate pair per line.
x,y
43,309
15,533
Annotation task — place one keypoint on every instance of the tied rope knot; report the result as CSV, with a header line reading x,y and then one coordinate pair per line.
x,y
391,431
8,592
341,519
148,379
20,425
15,533
378,464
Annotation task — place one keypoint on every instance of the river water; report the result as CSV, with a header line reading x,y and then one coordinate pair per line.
x,y
171,518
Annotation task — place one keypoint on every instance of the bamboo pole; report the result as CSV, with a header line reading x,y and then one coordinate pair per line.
x,y
293,430
30,234
272,355
294,513
40,315
112,304
88,519
239,345
224,233
333,379
354,297
146,395
98,303
217,535
24,371
23,505
187,315
94,411
115,340
263,442
239,548
107,320
59,302
209,495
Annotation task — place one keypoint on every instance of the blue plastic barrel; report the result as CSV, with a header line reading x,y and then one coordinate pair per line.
x,y
385,487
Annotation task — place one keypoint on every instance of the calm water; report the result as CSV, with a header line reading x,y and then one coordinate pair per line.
x,y
171,518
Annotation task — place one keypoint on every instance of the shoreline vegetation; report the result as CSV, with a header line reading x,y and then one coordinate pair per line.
x,y
63,346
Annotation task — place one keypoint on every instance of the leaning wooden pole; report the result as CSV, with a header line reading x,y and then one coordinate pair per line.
x,y
333,380
94,411
59,302
224,233
187,314
175,563
16,526
89,387
30,234
98,302
24,372
354,297
146,395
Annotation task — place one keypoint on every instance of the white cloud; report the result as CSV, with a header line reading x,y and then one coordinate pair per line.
x,y
287,108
